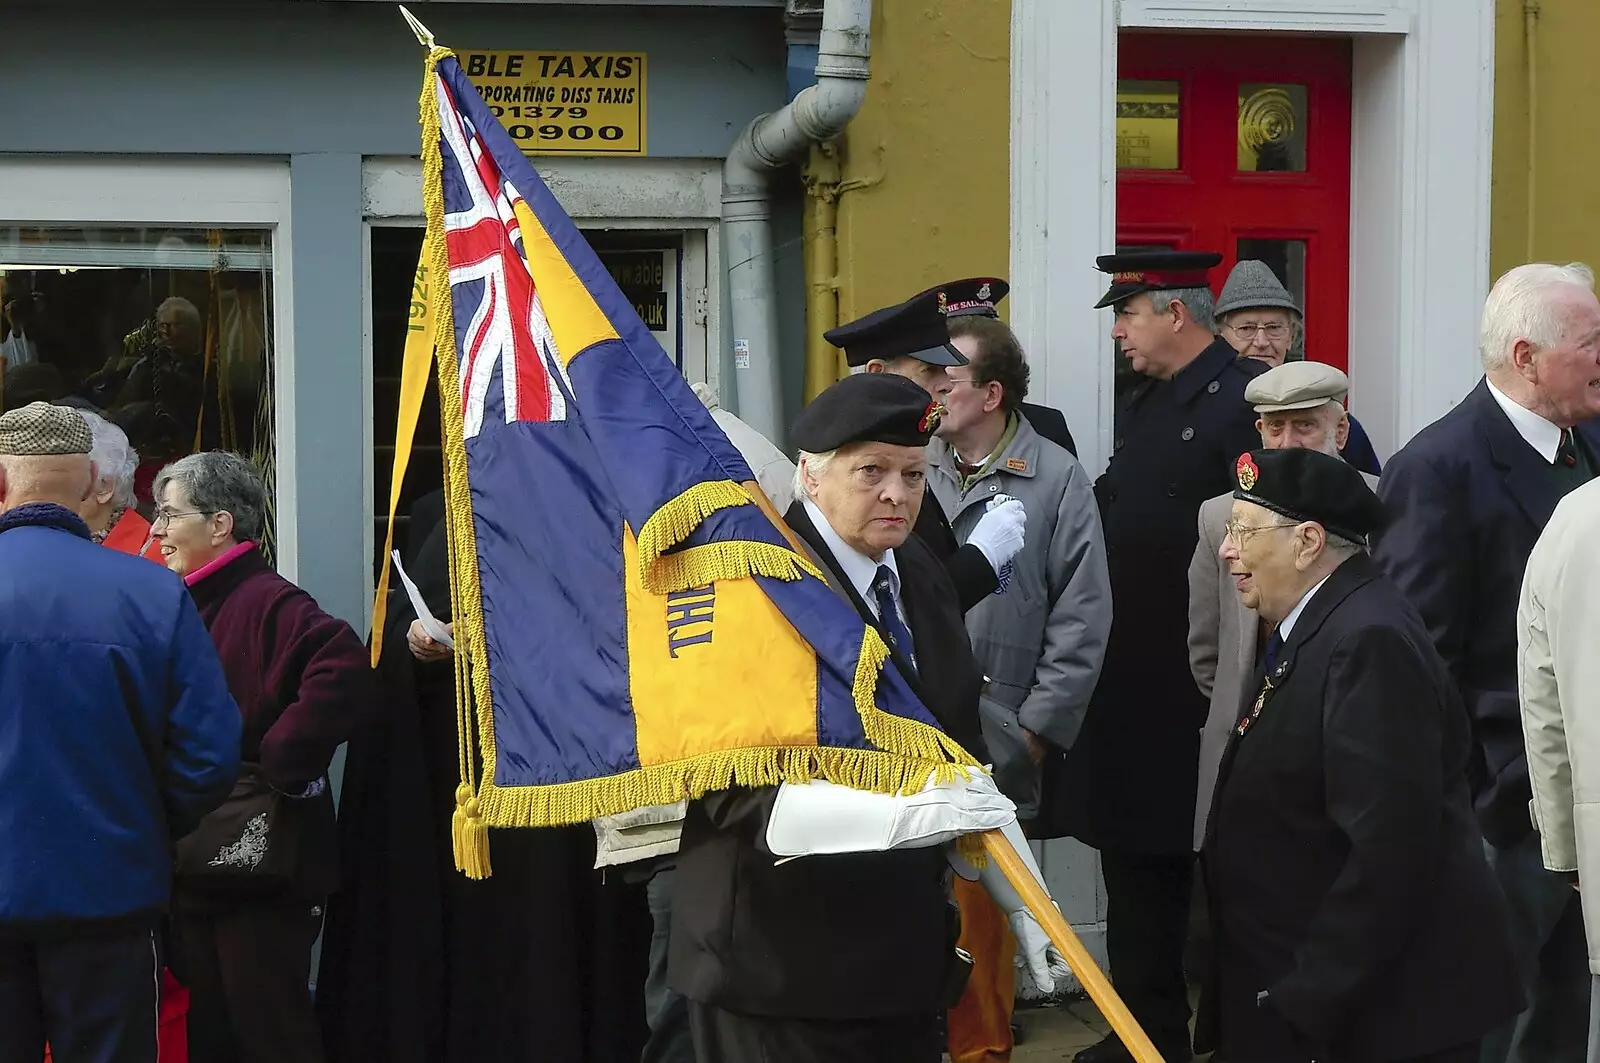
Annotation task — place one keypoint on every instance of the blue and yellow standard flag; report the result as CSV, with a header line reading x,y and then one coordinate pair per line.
x,y
632,626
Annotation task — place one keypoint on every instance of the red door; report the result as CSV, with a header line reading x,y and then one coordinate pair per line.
x,y
1241,144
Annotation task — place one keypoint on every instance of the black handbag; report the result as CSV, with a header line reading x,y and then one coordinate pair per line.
x,y
245,844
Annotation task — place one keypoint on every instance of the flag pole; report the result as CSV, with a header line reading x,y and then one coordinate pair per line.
x,y
1095,983
424,35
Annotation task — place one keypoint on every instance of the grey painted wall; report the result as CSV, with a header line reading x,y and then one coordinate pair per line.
x,y
278,78
323,84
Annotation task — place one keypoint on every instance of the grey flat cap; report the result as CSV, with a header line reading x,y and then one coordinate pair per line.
x,y
1252,285
1296,386
40,428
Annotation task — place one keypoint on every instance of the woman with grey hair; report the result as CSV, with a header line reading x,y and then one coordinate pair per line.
x,y
110,509
251,882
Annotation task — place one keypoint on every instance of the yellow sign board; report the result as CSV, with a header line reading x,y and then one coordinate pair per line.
x,y
564,103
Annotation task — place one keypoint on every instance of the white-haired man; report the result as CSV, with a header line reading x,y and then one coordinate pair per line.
x,y
110,510
1467,499
1300,404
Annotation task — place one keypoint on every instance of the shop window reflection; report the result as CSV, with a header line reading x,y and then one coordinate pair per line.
x,y
167,332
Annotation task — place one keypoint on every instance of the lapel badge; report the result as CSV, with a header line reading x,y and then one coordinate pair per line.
x,y
1017,464
1247,472
931,417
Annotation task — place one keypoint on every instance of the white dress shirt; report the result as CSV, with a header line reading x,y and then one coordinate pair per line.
x,y
1542,435
858,568
1287,624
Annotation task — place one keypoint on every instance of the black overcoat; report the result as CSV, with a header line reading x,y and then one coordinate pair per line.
x,y
1344,868
1129,781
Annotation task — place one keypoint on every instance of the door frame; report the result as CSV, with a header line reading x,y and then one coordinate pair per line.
x,y
1423,115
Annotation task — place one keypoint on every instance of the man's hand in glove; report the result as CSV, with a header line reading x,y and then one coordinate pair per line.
x,y
1035,953
999,532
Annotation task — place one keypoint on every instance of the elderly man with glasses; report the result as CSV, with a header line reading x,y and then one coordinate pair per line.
x,y
1355,915
1262,321
1299,404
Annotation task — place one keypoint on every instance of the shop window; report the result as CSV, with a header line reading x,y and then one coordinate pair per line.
x,y
166,332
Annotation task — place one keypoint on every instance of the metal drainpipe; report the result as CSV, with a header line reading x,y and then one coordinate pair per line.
x,y
769,143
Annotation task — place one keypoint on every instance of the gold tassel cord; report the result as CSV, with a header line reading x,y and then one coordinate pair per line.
x,y
469,832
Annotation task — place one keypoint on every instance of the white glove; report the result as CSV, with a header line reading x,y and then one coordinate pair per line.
x,y
819,818
1035,952
999,532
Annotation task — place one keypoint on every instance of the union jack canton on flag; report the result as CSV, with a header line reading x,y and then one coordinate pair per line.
x,y
632,627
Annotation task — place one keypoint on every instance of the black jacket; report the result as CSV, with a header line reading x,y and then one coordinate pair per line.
x,y
1129,781
1343,864
836,937
1467,499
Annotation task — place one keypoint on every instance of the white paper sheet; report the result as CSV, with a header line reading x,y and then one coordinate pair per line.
x,y
430,623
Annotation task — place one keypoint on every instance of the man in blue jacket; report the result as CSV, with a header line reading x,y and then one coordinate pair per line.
x,y
117,734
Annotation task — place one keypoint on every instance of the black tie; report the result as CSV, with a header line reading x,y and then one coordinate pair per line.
x,y
893,627
1274,644
1567,452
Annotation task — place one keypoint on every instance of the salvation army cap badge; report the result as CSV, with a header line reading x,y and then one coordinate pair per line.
x,y
1247,472
931,418
944,303
985,291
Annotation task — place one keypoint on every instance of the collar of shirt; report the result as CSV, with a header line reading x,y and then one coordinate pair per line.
x,y
857,567
1287,626
1542,435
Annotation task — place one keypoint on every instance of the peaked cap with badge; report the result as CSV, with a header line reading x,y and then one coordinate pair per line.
x,y
40,429
1308,485
867,408
915,328
1134,272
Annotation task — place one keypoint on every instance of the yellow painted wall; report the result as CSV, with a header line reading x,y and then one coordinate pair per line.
x,y
933,143
1564,166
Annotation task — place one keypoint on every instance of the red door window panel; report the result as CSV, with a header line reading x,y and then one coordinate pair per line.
x,y
1295,97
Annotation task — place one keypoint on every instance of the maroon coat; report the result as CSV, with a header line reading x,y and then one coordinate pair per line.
x,y
303,684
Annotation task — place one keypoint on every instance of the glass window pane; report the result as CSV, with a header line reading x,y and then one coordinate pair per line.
x,y
1147,125
166,332
1272,128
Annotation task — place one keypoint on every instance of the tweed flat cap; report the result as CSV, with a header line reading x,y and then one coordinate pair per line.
x,y
40,428
1296,386
1252,285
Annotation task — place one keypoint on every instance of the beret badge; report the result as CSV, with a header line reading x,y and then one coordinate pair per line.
x,y
931,417
1247,472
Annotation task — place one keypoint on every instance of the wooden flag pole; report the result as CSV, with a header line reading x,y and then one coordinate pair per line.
x,y
1095,983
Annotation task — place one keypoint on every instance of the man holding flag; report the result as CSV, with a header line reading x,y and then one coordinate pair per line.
x,y
786,959
634,626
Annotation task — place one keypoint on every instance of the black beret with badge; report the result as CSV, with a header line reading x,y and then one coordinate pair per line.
x,y
915,328
1308,485
1135,272
867,408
